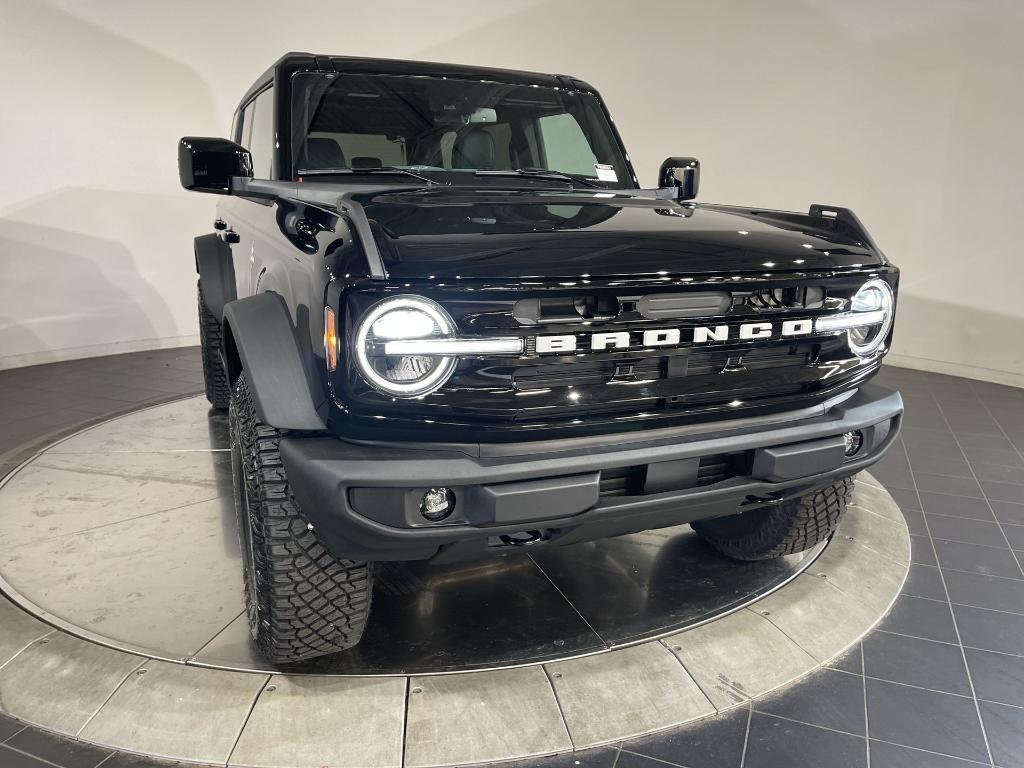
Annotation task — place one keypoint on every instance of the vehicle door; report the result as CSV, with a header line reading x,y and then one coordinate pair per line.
x,y
244,219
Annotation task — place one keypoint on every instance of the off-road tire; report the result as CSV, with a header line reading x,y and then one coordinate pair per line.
x,y
301,601
218,388
790,527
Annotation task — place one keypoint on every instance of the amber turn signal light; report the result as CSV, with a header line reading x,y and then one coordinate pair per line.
x,y
330,339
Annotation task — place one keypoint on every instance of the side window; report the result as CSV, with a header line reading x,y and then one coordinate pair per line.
x,y
261,138
244,126
565,145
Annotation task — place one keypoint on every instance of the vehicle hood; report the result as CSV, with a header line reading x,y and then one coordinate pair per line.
x,y
486,234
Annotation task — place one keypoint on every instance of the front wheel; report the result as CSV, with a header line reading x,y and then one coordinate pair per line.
x,y
790,527
301,601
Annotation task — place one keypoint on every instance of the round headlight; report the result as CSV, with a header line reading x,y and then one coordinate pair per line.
x,y
874,297
398,319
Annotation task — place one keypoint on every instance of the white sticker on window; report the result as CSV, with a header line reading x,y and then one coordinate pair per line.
x,y
605,172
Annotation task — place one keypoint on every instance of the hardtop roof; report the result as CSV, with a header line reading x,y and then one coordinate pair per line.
x,y
298,62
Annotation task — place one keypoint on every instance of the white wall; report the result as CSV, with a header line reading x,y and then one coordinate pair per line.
x,y
908,112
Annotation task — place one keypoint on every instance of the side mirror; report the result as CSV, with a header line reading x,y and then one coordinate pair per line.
x,y
208,165
682,173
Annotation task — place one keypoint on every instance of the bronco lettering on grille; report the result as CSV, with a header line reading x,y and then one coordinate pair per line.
x,y
671,337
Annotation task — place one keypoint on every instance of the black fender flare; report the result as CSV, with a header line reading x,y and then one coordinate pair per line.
x,y
261,333
216,273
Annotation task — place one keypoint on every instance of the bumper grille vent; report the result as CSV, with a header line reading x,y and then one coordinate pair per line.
x,y
630,481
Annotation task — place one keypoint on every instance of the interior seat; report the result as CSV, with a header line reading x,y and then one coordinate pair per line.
x,y
319,152
366,162
474,149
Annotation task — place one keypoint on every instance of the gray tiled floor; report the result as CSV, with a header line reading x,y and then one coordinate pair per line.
x,y
939,684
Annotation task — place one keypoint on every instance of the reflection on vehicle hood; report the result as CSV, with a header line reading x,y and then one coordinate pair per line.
x,y
489,234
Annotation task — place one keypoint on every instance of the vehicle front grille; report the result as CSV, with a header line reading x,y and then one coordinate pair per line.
x,y
624,386
697,362
767,299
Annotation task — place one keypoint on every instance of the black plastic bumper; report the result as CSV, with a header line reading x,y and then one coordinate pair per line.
x,y
364,498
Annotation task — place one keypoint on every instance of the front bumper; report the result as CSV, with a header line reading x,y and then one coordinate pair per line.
x,y
363,498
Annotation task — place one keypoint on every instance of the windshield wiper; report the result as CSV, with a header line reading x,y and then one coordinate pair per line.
x,y
382,169
541,173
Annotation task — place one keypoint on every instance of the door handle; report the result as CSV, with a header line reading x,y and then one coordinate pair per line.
x,y
219,224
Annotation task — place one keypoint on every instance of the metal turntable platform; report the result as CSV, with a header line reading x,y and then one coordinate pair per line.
x,y
119,545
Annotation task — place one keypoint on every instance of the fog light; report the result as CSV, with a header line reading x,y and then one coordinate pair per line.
x,y
853,440
437,504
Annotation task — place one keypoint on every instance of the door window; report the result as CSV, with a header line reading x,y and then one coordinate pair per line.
x,y
261,139
566,147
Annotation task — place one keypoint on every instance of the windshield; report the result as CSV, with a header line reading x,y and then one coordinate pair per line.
x,y
453,131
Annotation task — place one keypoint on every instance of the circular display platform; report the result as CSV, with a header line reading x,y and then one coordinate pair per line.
x,y
120,542
125,534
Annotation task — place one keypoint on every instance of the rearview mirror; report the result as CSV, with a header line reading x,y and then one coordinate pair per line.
x,y
208,165
682,173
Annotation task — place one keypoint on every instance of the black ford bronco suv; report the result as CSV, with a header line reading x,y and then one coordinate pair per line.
x,y
447,323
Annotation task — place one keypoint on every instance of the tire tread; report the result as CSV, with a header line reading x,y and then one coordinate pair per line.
x,y
218,388
794,526
305,602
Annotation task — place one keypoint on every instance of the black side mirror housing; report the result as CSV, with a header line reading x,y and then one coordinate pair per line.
x,y
681,173
208,165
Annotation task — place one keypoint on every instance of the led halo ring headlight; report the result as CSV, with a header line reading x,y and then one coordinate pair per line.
x,y
404,317
868,322
873,297
408,346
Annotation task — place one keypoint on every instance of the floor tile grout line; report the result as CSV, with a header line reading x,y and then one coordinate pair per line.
x,y
567,600
952,614
151,450
550,676
218,633
864,682
811,725
34,757
118,687
961,570
988,503
922,687
245,722
51,630
978,607
946,642
405,719
689,674
901,684
1002,431
768,618
746,735
966,519
16,733
28,451
929,751
105,759
661,760
115,522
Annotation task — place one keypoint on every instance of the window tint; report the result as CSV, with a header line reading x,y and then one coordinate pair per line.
x,y
450,128
261,138
565,145
244,126
358,150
